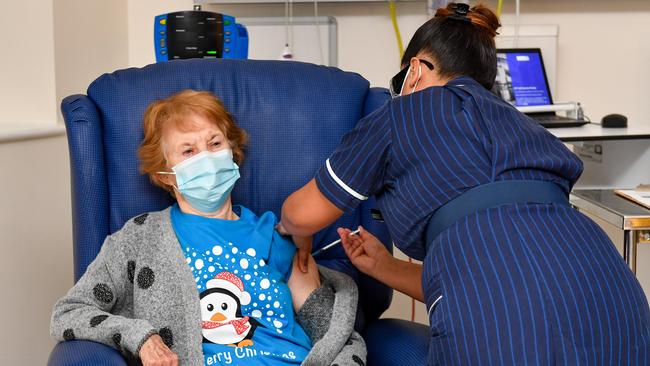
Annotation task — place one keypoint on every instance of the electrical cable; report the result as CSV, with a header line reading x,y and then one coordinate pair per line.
x,y
320,42
287,53
431,8
398,35
286,23
517,14
291,21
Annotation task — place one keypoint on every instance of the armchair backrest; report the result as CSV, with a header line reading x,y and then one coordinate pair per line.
x,y
295,115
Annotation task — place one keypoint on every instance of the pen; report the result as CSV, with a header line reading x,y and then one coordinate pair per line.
x,y
328,246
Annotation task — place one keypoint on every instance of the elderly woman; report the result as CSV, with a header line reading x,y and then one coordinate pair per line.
x,y
204,282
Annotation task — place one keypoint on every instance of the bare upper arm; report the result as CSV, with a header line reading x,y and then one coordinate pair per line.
x,y
307,211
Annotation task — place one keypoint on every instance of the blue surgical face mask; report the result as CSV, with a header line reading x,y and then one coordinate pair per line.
x,y
206,179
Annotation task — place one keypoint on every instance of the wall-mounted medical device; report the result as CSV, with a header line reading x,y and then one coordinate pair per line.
x,y
198,34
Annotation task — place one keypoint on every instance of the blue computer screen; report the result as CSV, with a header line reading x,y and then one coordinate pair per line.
x,y
528,79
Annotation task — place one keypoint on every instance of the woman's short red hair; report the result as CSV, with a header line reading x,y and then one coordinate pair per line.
x,y
175,110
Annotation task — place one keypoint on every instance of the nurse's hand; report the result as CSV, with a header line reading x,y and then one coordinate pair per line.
x,y
154,352
371,257
302,284
302,243
365,251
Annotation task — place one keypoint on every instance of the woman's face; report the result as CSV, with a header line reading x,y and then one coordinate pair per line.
x,y
198,135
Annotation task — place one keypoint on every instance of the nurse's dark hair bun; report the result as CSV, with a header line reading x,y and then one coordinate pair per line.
x,y
460,42
480,16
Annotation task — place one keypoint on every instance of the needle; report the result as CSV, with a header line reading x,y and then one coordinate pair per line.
x,y
335,242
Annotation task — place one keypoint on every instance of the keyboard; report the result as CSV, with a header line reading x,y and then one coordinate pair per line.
x,y
552,120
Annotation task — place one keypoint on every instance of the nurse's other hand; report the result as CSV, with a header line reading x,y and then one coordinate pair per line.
x,y
302,284
304,244
154,352
365,251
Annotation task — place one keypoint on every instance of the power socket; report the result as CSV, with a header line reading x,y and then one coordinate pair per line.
x,y
589,151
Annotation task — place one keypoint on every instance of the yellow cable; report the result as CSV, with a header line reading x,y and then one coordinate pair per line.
x,y
499,8
393,18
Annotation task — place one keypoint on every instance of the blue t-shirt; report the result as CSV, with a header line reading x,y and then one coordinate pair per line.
x,y
241,268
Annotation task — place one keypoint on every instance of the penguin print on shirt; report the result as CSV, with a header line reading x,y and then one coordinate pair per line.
x,y
241,268
222,321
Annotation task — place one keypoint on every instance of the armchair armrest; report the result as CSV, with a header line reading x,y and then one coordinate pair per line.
x,y
84,353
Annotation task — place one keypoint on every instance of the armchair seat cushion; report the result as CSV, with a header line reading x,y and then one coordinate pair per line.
x,y
396,342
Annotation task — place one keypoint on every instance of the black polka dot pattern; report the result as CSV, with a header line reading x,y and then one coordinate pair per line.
x,y
358,360
141,219
103,293
68,335
167,336
130,270
96,320
117,339
145,278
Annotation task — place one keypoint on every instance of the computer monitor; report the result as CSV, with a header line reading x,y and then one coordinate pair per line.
x,y
521,78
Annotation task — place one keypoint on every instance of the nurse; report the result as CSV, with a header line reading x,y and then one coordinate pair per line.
x,y
511,274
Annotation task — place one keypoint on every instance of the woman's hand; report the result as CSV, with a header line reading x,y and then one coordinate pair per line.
x,y
365,251
154,352
302,284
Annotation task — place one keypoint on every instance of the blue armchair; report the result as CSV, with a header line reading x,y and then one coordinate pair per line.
x,y
295,115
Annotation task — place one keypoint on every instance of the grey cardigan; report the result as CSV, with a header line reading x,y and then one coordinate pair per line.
x,y
140,284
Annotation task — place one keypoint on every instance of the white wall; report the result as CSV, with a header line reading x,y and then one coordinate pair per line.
x,y
35,213
27,72
90,39
36,245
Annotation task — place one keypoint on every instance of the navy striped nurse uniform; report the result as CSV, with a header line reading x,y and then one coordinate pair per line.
x,y
515,284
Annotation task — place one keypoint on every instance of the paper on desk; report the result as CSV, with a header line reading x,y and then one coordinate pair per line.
x,y
638,196
643,188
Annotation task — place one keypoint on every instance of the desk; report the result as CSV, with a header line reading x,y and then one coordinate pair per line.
x,y
632,219
595,132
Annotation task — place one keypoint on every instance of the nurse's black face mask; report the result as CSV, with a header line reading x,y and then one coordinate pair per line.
x,y
398,80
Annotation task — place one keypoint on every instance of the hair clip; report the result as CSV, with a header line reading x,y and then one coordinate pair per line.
x,y
460,12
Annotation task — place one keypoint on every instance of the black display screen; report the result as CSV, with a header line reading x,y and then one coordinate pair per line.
x,y
194,34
